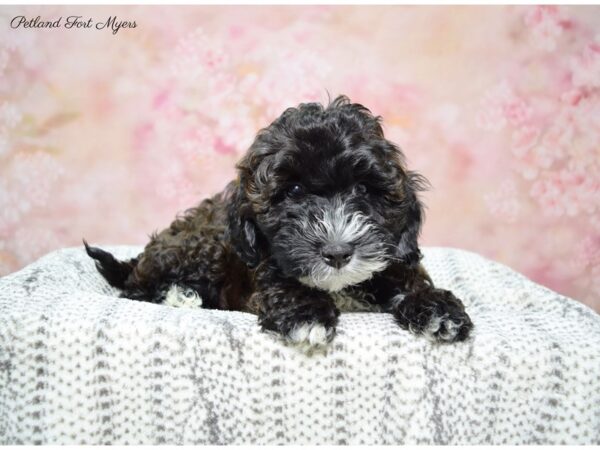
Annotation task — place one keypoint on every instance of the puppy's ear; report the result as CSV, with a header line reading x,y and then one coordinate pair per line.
x,y
408,247
241,229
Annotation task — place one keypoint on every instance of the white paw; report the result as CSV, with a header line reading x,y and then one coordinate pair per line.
x,y
442,328
179,297
310,335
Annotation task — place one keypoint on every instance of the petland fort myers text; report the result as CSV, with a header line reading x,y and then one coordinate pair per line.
x,y
112,23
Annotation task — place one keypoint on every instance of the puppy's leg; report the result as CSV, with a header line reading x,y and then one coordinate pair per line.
x,y
301,315
434,313
426,310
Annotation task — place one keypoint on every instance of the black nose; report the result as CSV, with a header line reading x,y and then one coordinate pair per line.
x,y
337,255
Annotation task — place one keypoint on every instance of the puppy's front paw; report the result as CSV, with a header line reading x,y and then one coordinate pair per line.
x,y
182,297
306,337
307,327
435,313
311,335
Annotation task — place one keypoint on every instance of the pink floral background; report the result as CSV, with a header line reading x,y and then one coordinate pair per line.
x,y
108,136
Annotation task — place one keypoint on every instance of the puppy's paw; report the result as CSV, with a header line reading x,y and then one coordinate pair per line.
x,y
302,331
434,313
447,329
181,297
310,335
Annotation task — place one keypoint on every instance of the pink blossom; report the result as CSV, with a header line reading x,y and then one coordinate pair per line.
x,y
539,14
528,168
503,203
501,106
545,24
197,54
550,195
561,130
517,111
546,156
236,132
546,34
585,66
524,138
573,96
588,251
491,115
27,184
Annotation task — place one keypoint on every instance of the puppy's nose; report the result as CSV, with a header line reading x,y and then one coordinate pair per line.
x,y
337,255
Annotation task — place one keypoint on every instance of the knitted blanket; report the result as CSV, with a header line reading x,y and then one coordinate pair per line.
x,y
80,365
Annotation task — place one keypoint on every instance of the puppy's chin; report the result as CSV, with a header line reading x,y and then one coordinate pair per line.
x,y
331,279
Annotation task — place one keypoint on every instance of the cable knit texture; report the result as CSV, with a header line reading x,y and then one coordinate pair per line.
x,y
80,365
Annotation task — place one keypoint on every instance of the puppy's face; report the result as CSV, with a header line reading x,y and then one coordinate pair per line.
x,y
326,197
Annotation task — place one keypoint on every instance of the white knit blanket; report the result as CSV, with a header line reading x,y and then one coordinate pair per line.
x,y
80,365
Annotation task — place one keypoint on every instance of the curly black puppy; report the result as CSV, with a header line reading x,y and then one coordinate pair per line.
x,y
323,217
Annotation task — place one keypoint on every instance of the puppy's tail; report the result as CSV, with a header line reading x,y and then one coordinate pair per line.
x,y
116,272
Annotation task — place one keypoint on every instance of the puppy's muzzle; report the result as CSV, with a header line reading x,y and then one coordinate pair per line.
x,y
337,255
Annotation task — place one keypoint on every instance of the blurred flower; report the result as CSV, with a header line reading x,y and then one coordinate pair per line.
x,y
587,253
27,183
503,203
501,106
197,57
545,156
585,66
236,131
545,26
524,138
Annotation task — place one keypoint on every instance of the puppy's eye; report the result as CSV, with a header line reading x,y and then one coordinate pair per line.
x,y
295,191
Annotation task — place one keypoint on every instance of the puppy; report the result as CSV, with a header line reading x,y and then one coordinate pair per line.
x,y
323,217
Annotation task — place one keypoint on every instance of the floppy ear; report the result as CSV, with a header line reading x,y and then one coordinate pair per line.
x,y
408,247
241,229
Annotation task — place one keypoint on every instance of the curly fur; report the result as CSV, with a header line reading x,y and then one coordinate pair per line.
x,y
323,211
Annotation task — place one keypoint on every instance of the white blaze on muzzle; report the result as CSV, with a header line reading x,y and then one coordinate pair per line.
x,y
338,226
